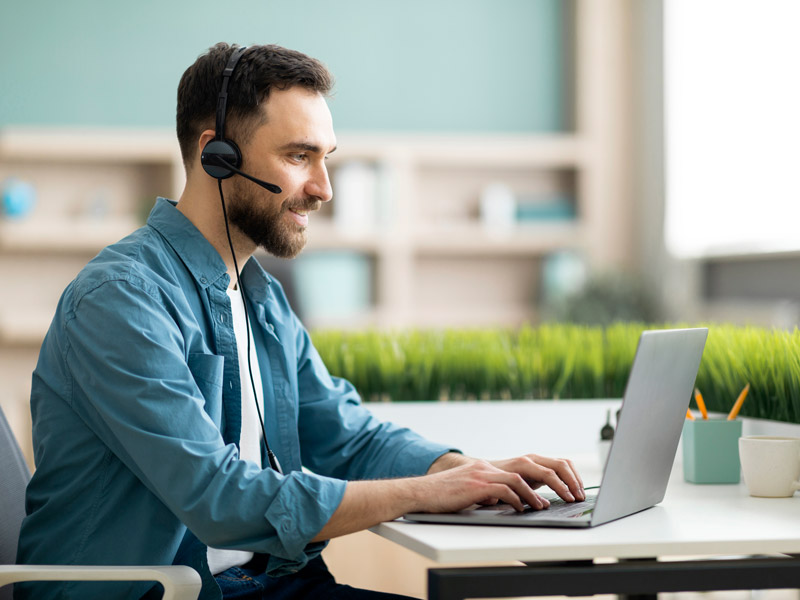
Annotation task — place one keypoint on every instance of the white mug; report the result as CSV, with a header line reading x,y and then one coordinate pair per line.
x,y
770,465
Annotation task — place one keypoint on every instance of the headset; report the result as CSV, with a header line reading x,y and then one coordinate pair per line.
x,y
221,158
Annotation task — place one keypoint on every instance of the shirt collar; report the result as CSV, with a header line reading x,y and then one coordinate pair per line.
x,y
256,281
199,256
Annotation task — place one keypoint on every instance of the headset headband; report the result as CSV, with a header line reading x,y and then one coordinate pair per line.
x,y
222,100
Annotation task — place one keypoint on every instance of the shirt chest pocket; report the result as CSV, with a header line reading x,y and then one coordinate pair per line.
x,y
207,370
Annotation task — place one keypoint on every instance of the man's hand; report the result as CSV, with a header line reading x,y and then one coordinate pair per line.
x,y
454,482
476,482
557,473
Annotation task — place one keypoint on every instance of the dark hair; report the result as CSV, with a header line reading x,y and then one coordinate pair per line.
x,y
260,69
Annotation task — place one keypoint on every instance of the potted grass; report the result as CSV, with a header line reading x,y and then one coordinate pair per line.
x,y
559,361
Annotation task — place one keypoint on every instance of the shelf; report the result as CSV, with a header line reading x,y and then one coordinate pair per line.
x,y
88,145
420,238
158,145
471,240
76,236
468,150
324,235
24,329
462,240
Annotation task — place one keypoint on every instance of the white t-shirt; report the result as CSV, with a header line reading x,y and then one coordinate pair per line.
x,y
250,439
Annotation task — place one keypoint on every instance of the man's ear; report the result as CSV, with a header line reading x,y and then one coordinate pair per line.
x,y
204,138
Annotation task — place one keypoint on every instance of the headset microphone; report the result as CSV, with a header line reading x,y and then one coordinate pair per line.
x,y
224,163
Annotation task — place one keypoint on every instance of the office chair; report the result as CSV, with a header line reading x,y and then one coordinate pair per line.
x,y
180,582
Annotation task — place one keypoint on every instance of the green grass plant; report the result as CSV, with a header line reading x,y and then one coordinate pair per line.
x,y
559,361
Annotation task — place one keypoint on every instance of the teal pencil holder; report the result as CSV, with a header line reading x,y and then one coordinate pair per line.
x,y
711,451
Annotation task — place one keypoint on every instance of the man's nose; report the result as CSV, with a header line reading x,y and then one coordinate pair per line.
x,y
319,185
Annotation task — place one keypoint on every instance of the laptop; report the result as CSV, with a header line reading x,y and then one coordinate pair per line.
x,y
639,462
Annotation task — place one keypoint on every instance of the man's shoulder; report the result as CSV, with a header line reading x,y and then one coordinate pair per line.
x,y
138,260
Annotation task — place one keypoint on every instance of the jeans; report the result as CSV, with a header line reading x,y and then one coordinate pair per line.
x,y
314,582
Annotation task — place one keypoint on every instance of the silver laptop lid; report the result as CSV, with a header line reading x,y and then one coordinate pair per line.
x,y
653,410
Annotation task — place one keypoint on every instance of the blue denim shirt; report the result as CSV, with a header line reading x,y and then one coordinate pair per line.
x,y
137,412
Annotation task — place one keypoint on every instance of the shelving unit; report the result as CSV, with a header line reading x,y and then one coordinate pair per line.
x,y
429,249
429,228
436,263
92,188
45,236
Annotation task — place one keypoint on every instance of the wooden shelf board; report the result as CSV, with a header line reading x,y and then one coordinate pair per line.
x,y
80,145
24,329
324,235
63,236
158,145
471,240
468,240
490,151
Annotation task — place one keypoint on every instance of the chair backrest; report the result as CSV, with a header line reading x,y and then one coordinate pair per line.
x,y
14,476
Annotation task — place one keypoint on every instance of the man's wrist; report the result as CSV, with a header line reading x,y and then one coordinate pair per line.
x,y
449,460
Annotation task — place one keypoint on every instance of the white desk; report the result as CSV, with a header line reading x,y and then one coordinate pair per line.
x,y
709,520
693,520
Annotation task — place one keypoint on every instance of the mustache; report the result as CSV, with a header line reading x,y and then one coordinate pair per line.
x,y
309,204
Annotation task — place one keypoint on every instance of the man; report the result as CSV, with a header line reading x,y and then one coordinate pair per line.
x,y
160,394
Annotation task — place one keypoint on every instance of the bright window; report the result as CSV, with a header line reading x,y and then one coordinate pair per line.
x,y
732,105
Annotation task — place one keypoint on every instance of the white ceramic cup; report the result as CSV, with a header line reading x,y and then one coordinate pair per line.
x,y
770,465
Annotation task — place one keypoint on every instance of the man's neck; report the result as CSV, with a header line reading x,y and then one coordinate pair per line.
x,y
205,213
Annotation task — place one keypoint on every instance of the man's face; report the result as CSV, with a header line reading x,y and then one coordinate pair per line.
x,y
290,151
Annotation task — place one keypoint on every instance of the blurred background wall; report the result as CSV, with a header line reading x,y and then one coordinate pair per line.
x,y
500,161
448,65
435,102
420,69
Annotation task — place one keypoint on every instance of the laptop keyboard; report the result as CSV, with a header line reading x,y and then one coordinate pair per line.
x,y
558,508
561,509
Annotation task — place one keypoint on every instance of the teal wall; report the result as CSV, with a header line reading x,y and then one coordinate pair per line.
x,y
426,65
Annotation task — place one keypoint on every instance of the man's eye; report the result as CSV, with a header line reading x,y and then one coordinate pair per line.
x,y
299,157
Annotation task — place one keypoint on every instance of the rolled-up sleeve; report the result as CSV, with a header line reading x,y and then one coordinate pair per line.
x,y
137,392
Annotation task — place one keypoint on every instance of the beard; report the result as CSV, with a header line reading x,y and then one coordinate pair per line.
x,y
265,221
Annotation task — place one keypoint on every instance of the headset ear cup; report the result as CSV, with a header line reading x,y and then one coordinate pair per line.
x,y
227,151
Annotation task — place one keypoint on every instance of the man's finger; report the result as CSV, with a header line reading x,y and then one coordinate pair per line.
x,y
525,492
563,474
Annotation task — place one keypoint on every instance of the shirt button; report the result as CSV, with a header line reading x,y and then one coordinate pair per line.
x,y
203,280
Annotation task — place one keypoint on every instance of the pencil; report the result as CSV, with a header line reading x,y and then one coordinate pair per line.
x,y
689,414
739,401
698,397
